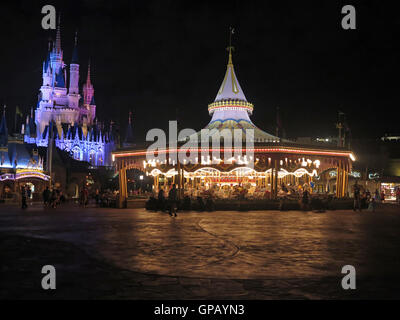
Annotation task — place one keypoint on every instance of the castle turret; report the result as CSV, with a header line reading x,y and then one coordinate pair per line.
x,y
88,97
56,55
47,77
128,142
74,70
88,90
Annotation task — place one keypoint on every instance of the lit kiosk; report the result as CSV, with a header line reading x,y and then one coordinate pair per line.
x,y
254,158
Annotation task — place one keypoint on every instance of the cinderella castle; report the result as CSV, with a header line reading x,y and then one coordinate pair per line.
x,y
66,114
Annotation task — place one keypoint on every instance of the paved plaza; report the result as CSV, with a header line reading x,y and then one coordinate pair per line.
x,y
136,254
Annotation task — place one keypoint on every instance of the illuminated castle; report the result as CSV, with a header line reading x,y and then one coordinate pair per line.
x,y
71,116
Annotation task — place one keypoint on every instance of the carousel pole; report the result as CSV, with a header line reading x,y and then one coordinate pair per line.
x,y
271,178
339,180
342,180
182,182
122,184
179,179
345,180
276,180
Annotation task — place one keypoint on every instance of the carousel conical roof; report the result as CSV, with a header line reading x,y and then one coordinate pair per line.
x,y
231,110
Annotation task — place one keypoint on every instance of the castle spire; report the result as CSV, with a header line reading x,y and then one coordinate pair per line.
x,y
129,141
88,74
58,36
75,51
88,90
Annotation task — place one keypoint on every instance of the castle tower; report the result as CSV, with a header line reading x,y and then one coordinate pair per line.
x,y
56,59
74,69
88,97
47,77
88,90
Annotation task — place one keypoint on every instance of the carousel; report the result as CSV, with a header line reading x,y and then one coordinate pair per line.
x,y
261,164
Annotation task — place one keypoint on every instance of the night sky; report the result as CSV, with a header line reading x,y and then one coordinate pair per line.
x,y
167,59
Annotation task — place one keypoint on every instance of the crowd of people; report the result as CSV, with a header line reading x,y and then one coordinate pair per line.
x,y
52,198
363,199
168,199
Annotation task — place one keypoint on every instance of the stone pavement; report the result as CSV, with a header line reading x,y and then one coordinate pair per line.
x,y
135,254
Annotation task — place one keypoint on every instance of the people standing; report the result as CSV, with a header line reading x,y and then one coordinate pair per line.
x,y
23,198
161,199
382,196
84,197
53,198
377,195
28,192
173,198
304,199
357,197
46,196
97,197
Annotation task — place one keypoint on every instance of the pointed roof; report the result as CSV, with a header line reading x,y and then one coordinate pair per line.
x,y
30,129
129,131
58,36
60,82
47,61
88,82
75,51
231,111
230,88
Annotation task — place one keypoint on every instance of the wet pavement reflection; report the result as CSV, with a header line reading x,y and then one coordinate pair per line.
x,y
260,246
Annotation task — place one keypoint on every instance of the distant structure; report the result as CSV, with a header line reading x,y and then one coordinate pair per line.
x,y
129,141
76,129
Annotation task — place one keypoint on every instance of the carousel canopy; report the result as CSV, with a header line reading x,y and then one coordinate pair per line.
x,y
230,111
